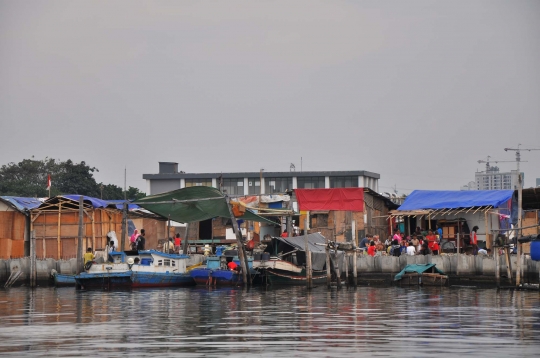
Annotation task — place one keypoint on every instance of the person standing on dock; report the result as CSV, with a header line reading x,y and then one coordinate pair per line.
x,y
177,243
141,241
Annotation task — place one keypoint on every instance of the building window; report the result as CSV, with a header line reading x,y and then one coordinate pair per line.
x,y
233,186
344,182
254,185
310,182
198,182
277,185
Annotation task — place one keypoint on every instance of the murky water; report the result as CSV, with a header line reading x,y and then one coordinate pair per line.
x,y
284,322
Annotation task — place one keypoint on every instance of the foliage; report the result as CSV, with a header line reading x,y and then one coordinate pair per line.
x,y
28,178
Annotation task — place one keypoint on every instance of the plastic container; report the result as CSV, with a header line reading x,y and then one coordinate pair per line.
x,y
219,250
257,256
535,250
146,261
265,256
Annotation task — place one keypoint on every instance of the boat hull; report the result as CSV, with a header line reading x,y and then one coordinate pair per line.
x,y
104,281
279,277
424,279
204,276
64,280
152,279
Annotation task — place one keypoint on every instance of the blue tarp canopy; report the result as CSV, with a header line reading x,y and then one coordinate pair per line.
x,y
418,268
119,204
454,199
22,203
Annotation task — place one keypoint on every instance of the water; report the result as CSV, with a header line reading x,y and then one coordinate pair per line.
x,y
284,322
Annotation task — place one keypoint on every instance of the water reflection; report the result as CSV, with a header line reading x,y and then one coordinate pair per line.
x,y
293,321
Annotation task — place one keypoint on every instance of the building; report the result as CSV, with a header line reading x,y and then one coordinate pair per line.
x,y
537,182
254,183
493,179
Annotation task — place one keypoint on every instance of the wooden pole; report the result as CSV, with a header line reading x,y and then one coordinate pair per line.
x,y
80,238
33,259
458,255
58,242
185,242
508,263
328,272
308,256
497,266
518,232
94,231
336,268
124,227
240,244
355,242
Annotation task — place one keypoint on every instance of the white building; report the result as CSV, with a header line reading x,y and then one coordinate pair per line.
x,y
493,179
169,178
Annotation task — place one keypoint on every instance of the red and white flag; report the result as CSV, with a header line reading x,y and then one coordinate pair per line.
x,y
48,182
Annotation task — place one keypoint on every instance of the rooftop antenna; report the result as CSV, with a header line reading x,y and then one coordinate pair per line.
x,y
292,168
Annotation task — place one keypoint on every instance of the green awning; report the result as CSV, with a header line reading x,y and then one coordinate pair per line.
x,y
418,268
196,203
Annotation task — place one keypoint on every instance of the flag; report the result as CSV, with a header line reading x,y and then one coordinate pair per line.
x,y
48,182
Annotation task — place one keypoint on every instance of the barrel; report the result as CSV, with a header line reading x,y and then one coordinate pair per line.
x,y
257,256
535,249
265,256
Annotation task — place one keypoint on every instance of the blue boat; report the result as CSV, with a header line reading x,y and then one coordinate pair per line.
x,y
63,280
216,273
104,280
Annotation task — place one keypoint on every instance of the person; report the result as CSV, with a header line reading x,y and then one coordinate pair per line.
x,y
432,242
388,242
415,242
177,243
396,249
133,239
111,246
397,236
425,249
207,250
365,242
285,234
411,250
403,247
474,239
484,252
439,231
89,256
141,241
371,249
378,244
168,247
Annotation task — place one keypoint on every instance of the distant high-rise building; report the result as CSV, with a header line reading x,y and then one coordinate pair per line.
x,y
493,179
538,182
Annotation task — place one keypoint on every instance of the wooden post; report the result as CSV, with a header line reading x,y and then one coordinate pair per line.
x,y
497,266
458,255
124,226
94,231
58,239
346,268
308,256
33,259
328,272
336,268
508,263
519,232
241,248
185,241
80,238
355,242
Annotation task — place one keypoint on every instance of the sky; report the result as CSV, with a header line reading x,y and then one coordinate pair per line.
x,y
417,91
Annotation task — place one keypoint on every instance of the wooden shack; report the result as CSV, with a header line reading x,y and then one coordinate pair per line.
x,y
56,225
15,225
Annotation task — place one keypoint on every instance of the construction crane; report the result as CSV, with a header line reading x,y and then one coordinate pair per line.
x,y
494,161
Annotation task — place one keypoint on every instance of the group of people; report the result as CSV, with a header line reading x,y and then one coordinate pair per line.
x,y
172,246
398,244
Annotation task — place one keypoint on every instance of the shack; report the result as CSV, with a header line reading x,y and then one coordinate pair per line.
x,y
56,225
15,225
332,211
457,212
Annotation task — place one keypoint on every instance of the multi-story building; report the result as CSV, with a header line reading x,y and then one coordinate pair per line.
x,y
253,183
493,179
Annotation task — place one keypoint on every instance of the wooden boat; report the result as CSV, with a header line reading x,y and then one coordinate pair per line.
x,y
216,273
132,269
61,280
421,275
287,266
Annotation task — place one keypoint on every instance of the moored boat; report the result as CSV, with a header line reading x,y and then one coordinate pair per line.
x,y
421,275
216,273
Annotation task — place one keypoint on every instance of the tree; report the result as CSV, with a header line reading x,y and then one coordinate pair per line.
x,y
29,178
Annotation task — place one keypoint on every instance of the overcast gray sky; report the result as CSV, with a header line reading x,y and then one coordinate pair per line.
x,y
417,91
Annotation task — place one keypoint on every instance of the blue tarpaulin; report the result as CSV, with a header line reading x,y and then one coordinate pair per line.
x,y
453,199
22,203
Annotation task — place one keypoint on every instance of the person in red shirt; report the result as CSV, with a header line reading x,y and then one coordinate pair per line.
x,y
177,243
285,234
371,249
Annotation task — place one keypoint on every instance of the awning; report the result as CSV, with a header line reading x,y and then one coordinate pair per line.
x,y
417,268
344,199
196,203
452,199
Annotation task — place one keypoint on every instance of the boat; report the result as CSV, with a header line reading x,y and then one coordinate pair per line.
x,y
421,275
284,260
132,269
216,273
61,280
